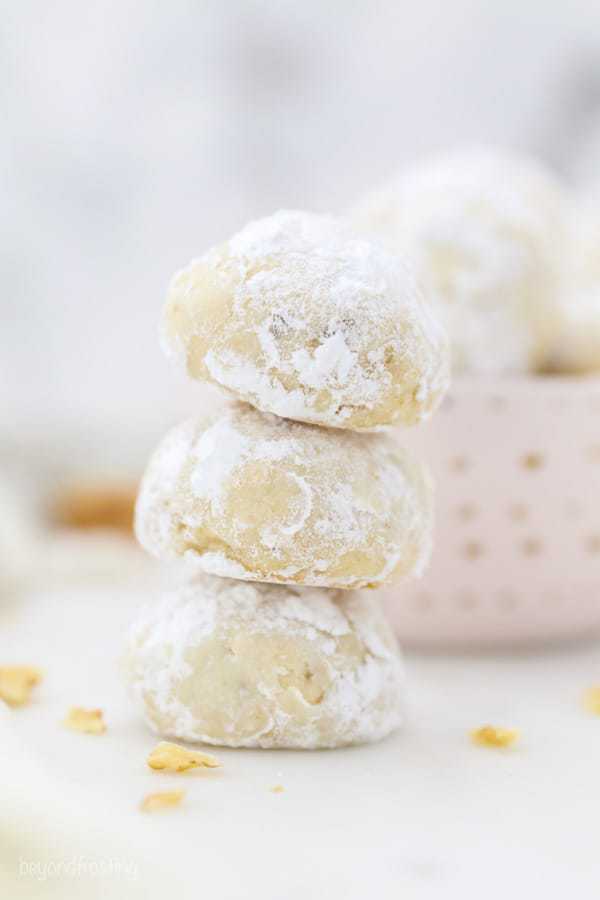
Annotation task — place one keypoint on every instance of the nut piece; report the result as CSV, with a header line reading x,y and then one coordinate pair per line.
x,y
490,736
591,700
161,800
16,683
173,758
101,504
88,721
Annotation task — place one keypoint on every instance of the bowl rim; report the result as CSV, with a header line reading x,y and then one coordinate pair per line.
x,y
539,384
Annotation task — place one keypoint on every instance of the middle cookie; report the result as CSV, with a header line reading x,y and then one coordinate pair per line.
x,y
251,496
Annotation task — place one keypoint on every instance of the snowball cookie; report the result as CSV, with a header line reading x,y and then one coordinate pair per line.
x,y
248,495
300,318
577,349
486,232
257,665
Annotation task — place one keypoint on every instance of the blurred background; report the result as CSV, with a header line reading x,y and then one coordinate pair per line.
x,y
136,134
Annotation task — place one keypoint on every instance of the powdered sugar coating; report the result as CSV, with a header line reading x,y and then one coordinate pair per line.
x,y
257,665
248,495
487,233
300,318
577,349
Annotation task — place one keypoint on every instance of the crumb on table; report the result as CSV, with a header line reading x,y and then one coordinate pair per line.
x,y
161,800
492,736
87,721
174,758
17,682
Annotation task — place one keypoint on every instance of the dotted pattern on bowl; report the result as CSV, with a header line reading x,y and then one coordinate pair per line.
x,y
517,543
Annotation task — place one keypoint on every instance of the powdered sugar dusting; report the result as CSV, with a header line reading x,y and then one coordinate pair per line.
x,y
486,231
153,524
577,348
267,499
322,326
361,683
216,454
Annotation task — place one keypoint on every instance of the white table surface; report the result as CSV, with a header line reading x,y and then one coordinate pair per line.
x,y
423,814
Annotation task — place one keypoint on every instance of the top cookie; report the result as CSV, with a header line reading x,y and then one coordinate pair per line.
x,y
300,318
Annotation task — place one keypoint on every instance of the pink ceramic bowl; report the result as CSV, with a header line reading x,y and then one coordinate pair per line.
x,y
517,544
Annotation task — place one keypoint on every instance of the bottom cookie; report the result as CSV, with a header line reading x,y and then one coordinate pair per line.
x,y
245,664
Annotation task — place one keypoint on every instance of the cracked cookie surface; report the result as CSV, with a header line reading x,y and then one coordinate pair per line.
x,y
247,495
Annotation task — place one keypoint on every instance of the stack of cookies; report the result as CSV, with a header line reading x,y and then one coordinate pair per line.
x,y
282,504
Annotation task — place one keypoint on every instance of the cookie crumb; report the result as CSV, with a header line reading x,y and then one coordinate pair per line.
x,y
591,700
161,800
99,504
491,736
87,721
277,789
17,682
174,758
